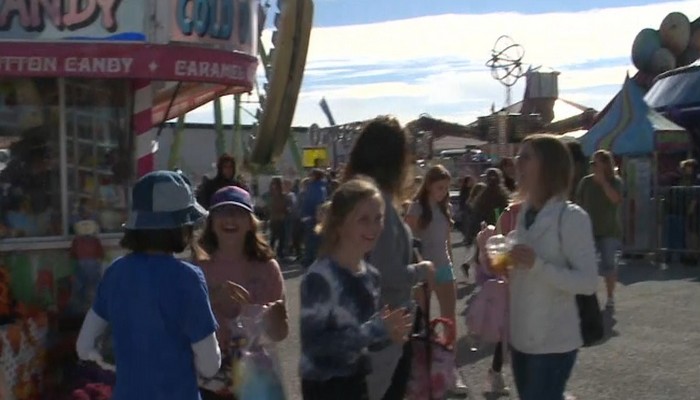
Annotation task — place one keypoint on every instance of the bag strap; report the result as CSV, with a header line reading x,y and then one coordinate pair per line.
x,y
559,230
426,326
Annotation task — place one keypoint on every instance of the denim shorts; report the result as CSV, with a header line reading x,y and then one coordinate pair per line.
x,y
444,274
607,248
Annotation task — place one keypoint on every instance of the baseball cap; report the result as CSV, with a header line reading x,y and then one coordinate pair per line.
x,y
231,195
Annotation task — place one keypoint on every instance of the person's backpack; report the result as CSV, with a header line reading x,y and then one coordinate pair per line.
x,y
487,315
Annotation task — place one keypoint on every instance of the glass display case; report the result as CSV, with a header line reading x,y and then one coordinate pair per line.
x,y
30,185
98,148
65,156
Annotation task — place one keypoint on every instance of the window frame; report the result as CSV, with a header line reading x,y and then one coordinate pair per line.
x,y
64,240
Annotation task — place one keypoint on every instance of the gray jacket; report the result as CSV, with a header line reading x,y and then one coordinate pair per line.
x,y
392,257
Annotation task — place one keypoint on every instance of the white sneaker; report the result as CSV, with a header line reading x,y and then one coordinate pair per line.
x,y
610,304
497,383
460,388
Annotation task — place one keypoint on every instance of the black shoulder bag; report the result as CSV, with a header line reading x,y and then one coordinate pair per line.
x,y
592,330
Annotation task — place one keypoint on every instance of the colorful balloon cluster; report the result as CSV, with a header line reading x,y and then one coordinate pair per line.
x,y
675,44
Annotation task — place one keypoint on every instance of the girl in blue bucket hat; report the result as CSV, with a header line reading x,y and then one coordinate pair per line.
x,y
157,306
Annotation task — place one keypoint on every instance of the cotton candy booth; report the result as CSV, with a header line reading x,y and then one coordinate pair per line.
x,y
84,86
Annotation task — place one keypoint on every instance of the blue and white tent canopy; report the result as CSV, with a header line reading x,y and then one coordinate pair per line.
x,y
630,126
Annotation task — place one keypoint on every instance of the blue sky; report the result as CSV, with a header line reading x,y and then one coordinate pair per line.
x,y
352,12
408,57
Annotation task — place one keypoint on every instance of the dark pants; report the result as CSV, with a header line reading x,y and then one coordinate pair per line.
x,y
542,376
297,237
344,388
277,236
208,395
311,244
497,362
399,382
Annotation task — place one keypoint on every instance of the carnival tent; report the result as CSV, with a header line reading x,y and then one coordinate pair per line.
x,y
677,89
631,127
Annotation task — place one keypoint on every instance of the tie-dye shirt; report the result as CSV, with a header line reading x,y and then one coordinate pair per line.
x,y
339,320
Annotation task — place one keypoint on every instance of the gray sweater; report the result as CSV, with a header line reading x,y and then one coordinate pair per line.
x,y
392,258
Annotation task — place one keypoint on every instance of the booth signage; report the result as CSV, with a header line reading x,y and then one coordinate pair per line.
x,y
157,62
38,20
226,24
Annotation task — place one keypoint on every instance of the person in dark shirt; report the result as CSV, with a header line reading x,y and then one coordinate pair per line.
x,y
225,176
493,200
507,167
315,195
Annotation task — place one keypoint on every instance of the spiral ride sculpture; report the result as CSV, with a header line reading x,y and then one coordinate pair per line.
x,y
506,63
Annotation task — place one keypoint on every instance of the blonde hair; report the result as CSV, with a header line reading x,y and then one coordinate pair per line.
x,y
345,199
321,215
556,165
478,188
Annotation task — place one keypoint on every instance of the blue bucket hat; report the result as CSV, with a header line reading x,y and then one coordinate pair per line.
x,y
163,200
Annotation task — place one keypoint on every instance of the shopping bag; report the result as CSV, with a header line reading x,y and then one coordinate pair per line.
x,y
433,363
256,372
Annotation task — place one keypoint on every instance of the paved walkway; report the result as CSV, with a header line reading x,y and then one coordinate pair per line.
x,y
652,351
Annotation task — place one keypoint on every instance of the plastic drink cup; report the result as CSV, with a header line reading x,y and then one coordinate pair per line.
x,y
498,247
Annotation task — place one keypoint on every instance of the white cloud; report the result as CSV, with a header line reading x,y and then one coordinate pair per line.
x,y
436,64
552,39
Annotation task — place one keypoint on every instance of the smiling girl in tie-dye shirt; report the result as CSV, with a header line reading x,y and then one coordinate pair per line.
x,y
340,311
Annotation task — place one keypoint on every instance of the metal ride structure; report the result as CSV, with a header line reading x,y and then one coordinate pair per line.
x,y
274,94
506,64
284,66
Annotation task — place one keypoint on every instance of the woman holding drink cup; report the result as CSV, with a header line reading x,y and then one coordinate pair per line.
x,y
553,259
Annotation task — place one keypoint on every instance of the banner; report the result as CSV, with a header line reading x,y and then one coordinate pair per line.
x,y
58,20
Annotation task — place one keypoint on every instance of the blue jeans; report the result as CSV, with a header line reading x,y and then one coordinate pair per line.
x,y
607,248
542,376
87,276
675,232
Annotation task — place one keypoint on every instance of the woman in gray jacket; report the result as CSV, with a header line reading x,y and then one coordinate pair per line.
x,y
381,152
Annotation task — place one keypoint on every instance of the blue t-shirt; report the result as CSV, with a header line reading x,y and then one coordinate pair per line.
x,y
157,307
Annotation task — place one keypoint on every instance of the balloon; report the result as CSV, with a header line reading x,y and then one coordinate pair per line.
x,y
663,60
645,45
675,32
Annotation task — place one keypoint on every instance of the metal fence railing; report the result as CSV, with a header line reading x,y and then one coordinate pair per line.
x,y
678,221
664,226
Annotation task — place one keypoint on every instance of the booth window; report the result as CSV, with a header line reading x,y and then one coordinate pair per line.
x,y
98,148
63,159
30,185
